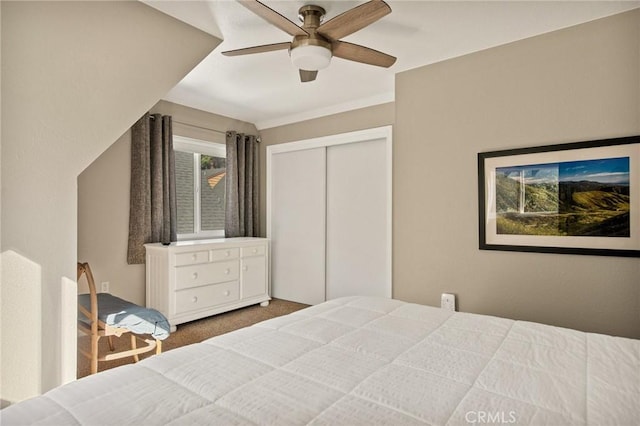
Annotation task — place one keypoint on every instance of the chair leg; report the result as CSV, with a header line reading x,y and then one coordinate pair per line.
x,y
158,347
111,347
134,346
94,353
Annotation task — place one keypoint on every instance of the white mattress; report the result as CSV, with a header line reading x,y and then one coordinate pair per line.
x,y
366,361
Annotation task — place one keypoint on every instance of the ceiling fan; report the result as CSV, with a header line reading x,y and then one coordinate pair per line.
x,y
315,43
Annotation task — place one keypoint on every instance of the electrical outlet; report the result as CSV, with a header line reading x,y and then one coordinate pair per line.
x,y
448,301
105,287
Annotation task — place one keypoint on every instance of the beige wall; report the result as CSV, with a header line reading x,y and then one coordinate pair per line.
x,y
360,119
103,200
75,76
576,84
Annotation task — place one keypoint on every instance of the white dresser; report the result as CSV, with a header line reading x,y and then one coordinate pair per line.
x,y
188,280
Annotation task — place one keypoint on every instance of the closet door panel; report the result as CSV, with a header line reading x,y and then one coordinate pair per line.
x,y
357,261
298,225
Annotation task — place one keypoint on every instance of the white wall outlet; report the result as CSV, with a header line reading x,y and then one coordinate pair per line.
x,y
105,287
448,301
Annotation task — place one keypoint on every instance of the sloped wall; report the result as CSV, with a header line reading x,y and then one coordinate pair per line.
x,y
75,76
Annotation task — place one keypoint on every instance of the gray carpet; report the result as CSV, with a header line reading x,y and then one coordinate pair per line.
x,y
192,332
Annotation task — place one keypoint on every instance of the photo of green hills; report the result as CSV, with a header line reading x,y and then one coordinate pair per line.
x,y
577,198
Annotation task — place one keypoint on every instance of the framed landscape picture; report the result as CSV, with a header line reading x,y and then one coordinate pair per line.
x,y
574,198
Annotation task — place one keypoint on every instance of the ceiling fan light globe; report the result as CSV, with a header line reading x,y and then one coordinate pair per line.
x,y
310,57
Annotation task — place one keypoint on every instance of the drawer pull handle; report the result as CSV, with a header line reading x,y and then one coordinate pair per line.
x,y
227,253
195,275
245,268
254,250
227,292
227,271
194,256
195,299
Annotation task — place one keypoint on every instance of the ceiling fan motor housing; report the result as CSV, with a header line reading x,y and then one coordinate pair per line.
x,y
311,15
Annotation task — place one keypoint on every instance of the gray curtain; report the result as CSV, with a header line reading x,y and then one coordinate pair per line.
x,y
153,208
242,209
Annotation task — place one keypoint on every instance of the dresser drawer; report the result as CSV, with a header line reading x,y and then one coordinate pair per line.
x,y
225,254
254,251
194,299
192,258
207,273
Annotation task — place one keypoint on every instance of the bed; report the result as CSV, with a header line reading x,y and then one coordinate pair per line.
x,y
363,360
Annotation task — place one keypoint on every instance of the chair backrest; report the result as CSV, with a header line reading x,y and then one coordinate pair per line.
x,y
84,269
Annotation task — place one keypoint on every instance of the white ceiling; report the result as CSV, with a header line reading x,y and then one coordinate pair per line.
x,y
265,89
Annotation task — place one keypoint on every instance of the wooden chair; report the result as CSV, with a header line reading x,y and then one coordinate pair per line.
x,y
91,322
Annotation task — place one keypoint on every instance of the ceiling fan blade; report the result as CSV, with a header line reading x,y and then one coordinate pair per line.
x,y
365,55
306,76
354,19
257,49
273,17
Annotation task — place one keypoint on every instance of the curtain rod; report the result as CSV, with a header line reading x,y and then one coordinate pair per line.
x,y
200,127
152,116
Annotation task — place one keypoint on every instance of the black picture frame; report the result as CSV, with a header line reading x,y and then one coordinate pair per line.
x,y
570,198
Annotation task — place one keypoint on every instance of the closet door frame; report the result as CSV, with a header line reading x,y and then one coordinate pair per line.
x,y
385,133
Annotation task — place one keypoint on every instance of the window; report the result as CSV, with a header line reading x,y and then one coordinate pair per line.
x,y
200,187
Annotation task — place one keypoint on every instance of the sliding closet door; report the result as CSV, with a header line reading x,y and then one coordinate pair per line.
x,y
297,225
357,237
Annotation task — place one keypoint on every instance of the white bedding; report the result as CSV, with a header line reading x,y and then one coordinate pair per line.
x,y
366,361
